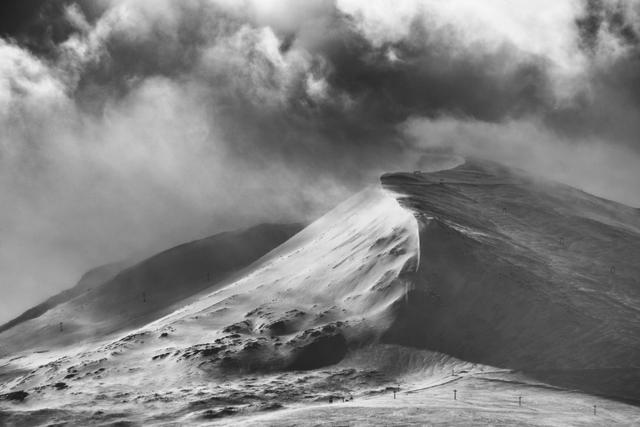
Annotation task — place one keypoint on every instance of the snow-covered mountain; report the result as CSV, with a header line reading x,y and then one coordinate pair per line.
x,y
115,297
478,279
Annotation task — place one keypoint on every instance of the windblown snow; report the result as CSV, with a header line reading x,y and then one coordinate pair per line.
x,y
517,295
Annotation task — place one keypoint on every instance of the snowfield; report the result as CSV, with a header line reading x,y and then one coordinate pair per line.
x,y
518,296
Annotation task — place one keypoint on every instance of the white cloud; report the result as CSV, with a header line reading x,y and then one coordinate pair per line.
x,y
317,88
26,83
383,21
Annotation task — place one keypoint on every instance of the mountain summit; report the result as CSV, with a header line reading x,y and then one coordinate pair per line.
x,y
478,282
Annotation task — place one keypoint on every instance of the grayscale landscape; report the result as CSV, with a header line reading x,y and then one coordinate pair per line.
x,y
319,213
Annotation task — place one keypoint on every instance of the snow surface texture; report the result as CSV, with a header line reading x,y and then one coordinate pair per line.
x,y
478,282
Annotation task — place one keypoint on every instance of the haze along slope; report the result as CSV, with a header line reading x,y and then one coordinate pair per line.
x,y
479,279
117,296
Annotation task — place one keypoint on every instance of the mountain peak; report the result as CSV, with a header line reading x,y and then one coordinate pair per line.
x,y
427,278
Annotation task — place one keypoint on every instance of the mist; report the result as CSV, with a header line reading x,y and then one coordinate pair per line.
x,y
127,127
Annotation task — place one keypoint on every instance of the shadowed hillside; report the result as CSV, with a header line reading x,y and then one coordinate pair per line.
x,y
523,274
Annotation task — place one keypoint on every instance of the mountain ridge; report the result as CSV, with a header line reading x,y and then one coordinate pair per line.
x,y
459,274
106,291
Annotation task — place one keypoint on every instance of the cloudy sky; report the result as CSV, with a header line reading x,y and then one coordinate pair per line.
x,y
129,126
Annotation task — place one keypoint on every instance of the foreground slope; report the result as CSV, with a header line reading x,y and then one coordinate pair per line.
x,y
478,279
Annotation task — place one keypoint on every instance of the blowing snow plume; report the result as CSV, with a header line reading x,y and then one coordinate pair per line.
x,y
479,279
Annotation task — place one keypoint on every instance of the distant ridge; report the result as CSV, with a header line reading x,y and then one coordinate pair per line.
x,y
90,279
116,295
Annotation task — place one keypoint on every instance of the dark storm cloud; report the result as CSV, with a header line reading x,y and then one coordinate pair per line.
x,y
168,49
426,79
27,18
295,131
608,104
606,17
367,91
40,25
609,109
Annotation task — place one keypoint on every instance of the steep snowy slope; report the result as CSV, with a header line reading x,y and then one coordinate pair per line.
x,y
330,285
427,282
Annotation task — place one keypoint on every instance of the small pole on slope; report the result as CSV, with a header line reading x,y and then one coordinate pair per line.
x,y
454,394
594,409
394,393
519,400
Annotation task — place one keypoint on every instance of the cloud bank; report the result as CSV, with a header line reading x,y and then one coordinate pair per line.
x,y
129,126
